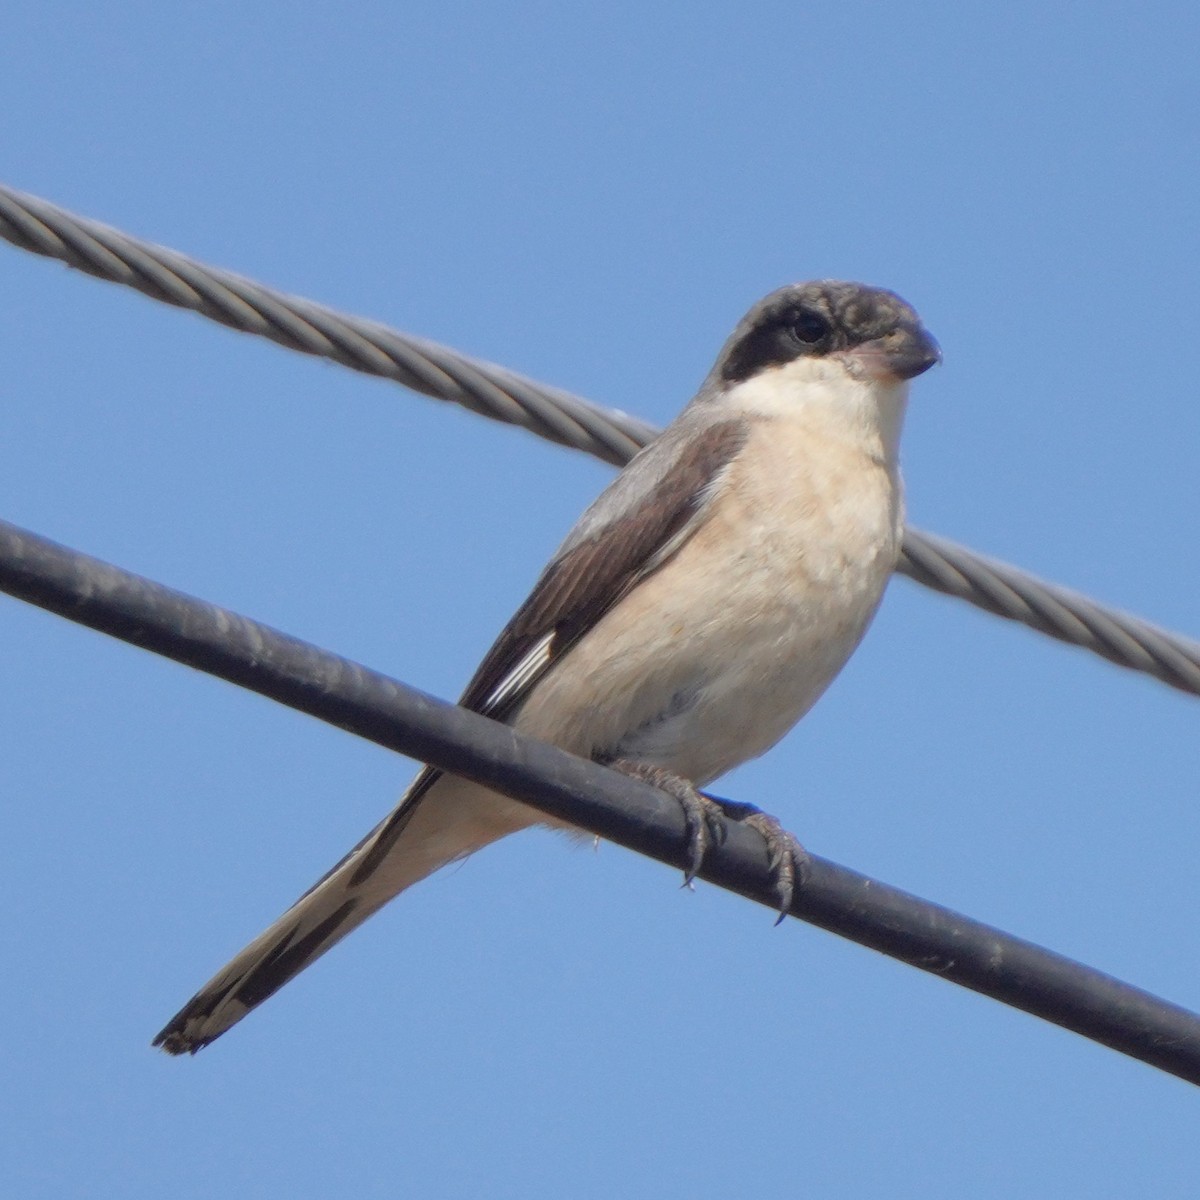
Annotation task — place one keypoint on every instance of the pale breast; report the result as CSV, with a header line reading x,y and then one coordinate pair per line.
x,y
709,661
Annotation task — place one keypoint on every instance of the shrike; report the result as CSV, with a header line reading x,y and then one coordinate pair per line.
x,y
696,611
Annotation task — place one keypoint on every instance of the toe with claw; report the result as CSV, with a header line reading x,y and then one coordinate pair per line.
x,y
789,861
705,817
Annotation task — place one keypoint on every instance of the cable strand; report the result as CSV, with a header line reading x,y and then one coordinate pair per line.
x,y
363,345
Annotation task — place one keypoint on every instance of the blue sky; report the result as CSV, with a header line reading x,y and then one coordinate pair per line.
x,y
591,194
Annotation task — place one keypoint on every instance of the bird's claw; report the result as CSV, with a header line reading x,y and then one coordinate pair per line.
x,y
789,861
705,827
705,818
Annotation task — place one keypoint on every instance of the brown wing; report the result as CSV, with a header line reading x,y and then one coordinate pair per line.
x,y
599,565
574,592
582,584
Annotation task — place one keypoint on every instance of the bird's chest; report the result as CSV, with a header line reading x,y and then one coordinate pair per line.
x,y
807,538
802,573
711,659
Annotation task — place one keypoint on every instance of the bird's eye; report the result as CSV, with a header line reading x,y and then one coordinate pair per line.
x,y
808,327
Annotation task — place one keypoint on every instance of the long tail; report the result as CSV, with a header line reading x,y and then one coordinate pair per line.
x,y
440,819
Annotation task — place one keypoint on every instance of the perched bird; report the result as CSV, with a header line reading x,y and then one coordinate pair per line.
x,y
697,610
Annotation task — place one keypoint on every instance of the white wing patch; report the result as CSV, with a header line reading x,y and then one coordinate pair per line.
x,y
522,677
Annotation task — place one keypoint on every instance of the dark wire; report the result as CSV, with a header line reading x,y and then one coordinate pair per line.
x,y
387,712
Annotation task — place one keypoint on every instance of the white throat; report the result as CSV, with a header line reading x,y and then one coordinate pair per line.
x,y
829,394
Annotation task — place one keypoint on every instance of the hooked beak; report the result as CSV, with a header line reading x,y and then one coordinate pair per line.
x,y
904,353
911,352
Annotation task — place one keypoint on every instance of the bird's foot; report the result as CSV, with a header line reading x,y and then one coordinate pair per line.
x,y
789,861
704,816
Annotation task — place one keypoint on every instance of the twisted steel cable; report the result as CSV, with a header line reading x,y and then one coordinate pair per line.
x,y
299,324
1000,588
492,391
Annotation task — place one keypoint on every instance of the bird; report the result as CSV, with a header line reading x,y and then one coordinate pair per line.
x,y
696,611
